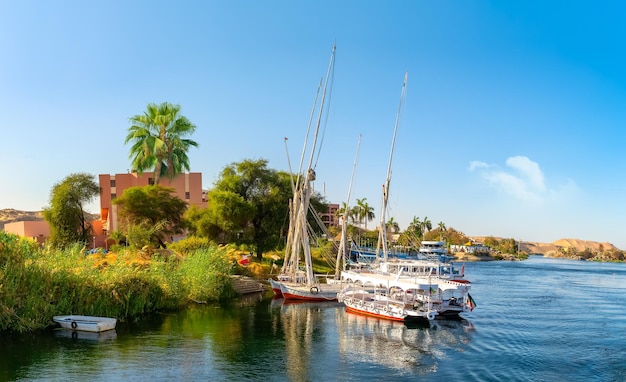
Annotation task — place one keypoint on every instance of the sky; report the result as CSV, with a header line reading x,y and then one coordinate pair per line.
x,y
513,125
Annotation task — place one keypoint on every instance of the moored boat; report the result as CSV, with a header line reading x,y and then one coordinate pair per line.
x,y
390,297
86,323
296,279
316,292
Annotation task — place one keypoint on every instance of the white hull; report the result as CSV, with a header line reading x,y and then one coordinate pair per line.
x,y
276,288
86,323
318,292
384,307
389,296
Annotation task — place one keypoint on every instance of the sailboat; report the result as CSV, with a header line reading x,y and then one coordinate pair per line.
x,y
405,289
379,293
295,281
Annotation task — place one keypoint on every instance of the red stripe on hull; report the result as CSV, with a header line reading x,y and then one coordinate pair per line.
x,y
289,296
366,313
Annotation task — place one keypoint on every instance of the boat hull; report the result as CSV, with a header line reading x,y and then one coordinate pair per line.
x,y
384,309
276,288
314,293
86,323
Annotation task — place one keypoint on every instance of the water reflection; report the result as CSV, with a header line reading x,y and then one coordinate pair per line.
x,y
306,331
414,350
85,336
362,344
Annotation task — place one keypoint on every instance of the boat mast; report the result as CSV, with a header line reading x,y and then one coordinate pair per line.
x,y
342,254
382,232
301,236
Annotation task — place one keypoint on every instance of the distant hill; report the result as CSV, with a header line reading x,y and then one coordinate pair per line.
x,y
10,215
547,248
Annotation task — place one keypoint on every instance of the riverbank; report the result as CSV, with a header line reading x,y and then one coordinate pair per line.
x,y
39,283
462,256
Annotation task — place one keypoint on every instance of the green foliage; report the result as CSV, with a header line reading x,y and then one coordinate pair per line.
x,y
248,205
206,275
158,141
66,214
503,246
363,212
150,210
139,235
190,244
451,236
38,284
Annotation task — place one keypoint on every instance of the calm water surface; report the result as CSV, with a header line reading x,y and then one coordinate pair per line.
x,y
536,320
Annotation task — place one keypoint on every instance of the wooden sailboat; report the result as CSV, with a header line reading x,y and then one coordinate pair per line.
x,y
296,281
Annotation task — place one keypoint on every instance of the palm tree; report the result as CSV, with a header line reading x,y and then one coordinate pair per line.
x,y
365,213
415,230
158,141
425,226
346,211
442,230
393,225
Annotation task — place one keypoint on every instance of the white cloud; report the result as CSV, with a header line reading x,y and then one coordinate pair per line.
x,y
523,179
529,170
477,165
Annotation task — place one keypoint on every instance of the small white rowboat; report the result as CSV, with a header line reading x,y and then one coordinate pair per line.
x,y
86,323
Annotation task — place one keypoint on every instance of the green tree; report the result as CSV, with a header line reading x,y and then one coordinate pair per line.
x,y
415,227
66,214
249,204
442,230
364,211
155,209
392,225
492,242
158,141
425,226
346,211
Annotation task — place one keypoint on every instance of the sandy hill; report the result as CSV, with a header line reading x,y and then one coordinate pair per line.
x,y
543,248
10,215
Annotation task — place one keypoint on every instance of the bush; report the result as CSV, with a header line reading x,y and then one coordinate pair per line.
x,y
190,244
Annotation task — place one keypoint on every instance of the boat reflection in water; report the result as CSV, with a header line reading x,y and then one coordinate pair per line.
x,y
306,334
88,336
411,349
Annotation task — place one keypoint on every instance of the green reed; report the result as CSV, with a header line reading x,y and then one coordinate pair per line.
x,y
36,284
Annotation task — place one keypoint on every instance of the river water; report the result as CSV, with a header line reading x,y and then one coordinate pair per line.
x,y
536,320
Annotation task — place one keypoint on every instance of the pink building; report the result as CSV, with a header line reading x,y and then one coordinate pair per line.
x,y
38,230
330,216
188,187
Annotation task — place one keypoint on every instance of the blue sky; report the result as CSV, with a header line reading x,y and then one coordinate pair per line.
x,y
514,121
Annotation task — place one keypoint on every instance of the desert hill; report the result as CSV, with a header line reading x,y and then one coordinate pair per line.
x,y
546,248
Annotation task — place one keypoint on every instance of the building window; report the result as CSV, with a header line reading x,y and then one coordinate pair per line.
x,y
151,181
187,195
113,196
112,182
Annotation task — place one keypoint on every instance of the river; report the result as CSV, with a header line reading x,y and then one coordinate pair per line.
x,y
536,320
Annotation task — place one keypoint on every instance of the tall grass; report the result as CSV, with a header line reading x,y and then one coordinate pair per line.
x,y
36,284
